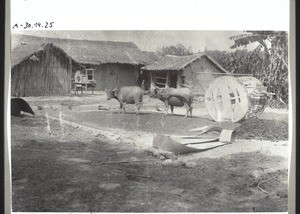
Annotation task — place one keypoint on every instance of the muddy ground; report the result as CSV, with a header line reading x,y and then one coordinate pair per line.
x,y
72,157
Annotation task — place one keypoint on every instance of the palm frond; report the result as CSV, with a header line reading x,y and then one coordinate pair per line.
x,y
239,36
243,41
266,33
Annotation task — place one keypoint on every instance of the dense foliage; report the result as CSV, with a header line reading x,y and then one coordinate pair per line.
x,y
267,62
178,50
273,66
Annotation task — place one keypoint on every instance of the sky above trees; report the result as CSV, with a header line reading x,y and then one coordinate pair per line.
x,y
152,40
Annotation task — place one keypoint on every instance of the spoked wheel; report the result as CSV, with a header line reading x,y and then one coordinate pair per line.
x,y
226,99
233,99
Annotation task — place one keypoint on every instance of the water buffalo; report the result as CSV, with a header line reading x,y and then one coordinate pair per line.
x,y
127,95
175,97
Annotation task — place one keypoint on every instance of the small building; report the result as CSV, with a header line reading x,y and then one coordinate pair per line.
x,y
47,66
144,77
194,71
41,71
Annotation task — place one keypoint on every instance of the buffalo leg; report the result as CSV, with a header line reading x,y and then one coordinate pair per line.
x,y
124,107
172,109
191,111
187,109
166,107
121,107
138,106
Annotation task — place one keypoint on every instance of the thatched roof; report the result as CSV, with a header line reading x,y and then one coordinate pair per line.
x,y
171,62
214,62
151,57
81,51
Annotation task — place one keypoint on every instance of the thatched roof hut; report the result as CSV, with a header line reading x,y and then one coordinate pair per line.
x,y
195,71
49,63
171,62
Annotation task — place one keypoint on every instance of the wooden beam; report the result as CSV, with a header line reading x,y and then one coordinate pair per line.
x,y
168,79
225,74
152,83
86,80
163,78
179,81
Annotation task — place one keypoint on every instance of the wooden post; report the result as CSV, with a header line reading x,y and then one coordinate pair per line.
x,y
152,83
168,80
70,75
86,81
179,81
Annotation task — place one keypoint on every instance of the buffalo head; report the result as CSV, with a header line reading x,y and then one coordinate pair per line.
x,y
110,94
154,93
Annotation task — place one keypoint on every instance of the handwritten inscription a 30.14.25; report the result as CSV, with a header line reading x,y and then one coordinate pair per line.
x,y
35,25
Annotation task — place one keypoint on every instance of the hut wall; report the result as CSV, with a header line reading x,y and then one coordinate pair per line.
x,y
100,77
201,80
110,76
48,74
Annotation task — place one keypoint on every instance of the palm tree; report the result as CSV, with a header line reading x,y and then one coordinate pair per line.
x,y
277,39
275,70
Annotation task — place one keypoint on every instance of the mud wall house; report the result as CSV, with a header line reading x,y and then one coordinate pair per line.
x,y
194,71
46,66
118,65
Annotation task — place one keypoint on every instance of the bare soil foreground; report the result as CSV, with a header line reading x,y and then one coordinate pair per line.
x,y
73,157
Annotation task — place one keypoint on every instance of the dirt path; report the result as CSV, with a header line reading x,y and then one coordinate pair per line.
x,y
68,160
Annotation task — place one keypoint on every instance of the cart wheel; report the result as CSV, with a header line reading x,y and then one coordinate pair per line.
x,y
226,99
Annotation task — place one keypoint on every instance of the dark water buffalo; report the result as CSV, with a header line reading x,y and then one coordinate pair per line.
x,y
127,95
175,97
17,105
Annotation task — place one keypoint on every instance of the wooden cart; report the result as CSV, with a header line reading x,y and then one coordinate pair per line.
x,y
83,80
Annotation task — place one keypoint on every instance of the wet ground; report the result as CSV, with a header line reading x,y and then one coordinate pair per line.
x,y
57,166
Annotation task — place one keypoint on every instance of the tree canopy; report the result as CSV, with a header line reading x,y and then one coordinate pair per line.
x,y
178,50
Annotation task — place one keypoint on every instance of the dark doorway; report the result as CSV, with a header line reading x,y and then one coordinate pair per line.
x,y
144,80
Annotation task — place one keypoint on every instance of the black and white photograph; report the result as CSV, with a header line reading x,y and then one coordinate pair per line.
x,y
148,118
149,121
